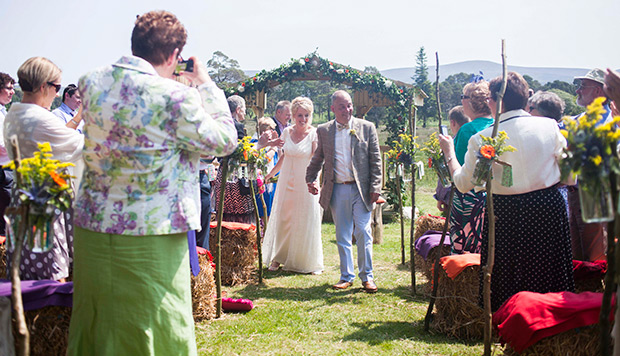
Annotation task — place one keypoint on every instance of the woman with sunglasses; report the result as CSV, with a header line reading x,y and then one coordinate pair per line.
x,y
32,123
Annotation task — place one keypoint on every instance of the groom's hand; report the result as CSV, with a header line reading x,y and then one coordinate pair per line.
x,y
374,197
313,188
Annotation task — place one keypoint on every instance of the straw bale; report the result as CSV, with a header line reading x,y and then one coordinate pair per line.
x,y
203,291
577,342
589,285
457,311
239,255
427,222
49,330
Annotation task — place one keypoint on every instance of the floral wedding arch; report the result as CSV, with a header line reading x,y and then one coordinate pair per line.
x,y
369,90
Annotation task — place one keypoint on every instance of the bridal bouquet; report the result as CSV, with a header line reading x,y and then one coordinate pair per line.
x,y
45,190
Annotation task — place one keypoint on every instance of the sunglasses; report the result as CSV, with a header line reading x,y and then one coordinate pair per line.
x,y
464,97
56,86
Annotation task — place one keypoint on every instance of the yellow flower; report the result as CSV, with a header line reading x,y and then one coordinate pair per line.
x,y
564,133
597,160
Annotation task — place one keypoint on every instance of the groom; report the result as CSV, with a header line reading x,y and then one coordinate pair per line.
x,y
348,151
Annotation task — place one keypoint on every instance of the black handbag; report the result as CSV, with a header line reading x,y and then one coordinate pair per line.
x,y
244,186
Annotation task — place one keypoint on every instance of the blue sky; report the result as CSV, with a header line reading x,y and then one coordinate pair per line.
x,y
79,35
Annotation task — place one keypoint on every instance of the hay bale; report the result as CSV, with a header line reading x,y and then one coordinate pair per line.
x,y
589,285
428,222
239,255
577,342
203,291
49,330
457,312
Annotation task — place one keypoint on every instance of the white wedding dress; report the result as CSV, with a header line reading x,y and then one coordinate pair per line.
x,y
293,235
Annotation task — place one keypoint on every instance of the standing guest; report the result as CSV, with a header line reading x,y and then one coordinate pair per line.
x,y
588,240
238,205
139,195
266,127
467,216
32,123
6,175
282,117
612,89
532,243
293,235
348,151
549,104
546,104
457,118
71,103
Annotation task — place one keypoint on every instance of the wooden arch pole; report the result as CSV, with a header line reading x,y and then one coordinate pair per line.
x,y
488,268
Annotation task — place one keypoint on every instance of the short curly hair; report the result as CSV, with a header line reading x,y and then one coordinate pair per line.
x,y
301,102
155,36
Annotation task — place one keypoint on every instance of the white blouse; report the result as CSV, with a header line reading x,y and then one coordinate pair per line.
x,y
539,145
33,124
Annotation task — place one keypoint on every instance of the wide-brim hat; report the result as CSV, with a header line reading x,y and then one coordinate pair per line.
x,y
596,74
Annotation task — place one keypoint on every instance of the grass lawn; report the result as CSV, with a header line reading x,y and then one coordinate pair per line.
x,y
298,314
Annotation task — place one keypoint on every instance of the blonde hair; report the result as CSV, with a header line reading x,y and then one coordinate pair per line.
x,y
264,124
478,94
303,103
35,72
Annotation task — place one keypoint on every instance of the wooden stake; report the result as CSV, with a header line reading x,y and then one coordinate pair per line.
x,y
412,125
258,233
488,269
218,239
437,88
400,211
23,336
613,230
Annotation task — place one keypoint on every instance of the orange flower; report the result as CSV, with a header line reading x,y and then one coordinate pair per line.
x,y
487,151
58,179
245,155
430,163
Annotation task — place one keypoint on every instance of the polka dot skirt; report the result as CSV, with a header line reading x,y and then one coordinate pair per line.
x,y
532,246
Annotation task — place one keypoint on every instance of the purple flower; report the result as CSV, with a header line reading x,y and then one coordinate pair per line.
x,y
144,141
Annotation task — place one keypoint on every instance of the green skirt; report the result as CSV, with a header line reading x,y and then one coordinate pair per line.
x,y
132,295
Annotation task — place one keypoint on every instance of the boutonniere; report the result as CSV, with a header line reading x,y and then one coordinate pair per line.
x,y
352,132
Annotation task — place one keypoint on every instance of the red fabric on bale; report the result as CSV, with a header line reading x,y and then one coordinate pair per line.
x,y
233,225
588,270
455,264
2,239
528,317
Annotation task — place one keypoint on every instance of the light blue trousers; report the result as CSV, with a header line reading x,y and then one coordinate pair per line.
x,y
352,218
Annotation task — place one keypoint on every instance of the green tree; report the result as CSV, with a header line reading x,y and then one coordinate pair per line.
x,y
420,79
224,71
571,108
450,91
560,85
533,83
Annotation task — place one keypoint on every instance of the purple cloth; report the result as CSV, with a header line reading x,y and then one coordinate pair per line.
x,y
193,255
43,293
428,241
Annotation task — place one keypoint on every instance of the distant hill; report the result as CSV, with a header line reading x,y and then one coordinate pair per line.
x,y
489,70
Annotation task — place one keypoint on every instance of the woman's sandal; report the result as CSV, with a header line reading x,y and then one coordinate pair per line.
x,y
274,266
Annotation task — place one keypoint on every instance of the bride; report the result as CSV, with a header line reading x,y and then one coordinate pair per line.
x,y
293,235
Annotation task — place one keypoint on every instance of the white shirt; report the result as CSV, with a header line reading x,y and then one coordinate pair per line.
x,y
539,145
4,156
343,166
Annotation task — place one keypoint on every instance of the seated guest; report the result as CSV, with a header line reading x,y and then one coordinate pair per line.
x,y
32,123
532,241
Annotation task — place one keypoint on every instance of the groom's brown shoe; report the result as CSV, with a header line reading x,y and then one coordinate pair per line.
x,y
342,285
369,287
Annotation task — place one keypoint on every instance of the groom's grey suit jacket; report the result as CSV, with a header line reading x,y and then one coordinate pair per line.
x,y
366,159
